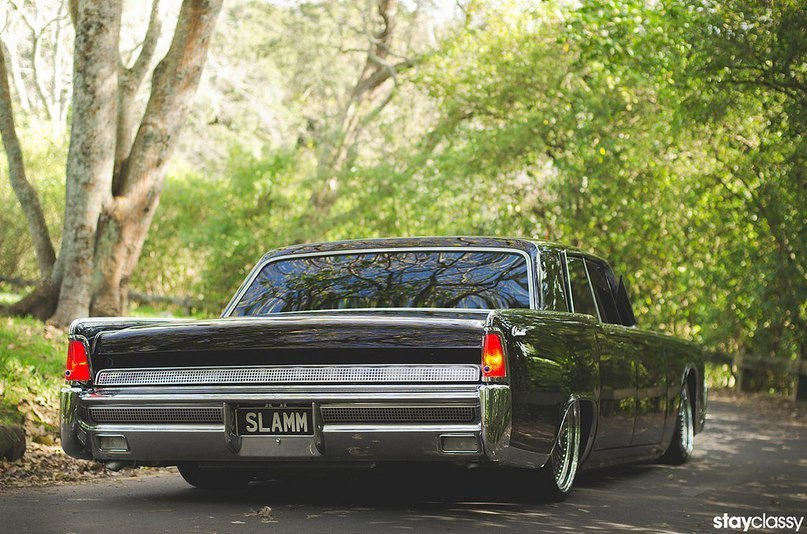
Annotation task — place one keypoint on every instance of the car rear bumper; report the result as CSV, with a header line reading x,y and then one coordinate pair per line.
x,y
466,423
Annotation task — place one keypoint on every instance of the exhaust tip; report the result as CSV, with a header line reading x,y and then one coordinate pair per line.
x,y
117,465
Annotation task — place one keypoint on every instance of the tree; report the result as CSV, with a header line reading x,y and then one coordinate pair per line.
x,y
113,178
37,36
380,64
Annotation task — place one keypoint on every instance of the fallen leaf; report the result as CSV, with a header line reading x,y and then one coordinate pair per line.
x,y
265,512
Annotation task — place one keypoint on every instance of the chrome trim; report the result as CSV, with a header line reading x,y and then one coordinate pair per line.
x,y
104,320
517,331
72,434
443,450
539,279
107,435
263,263
291,314
169,443
283,393
568,282
497,417
126,428
590,287
288,374
497,421
402,428
566,448
591,290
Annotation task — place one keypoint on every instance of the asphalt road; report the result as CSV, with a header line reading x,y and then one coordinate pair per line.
x,y
745,464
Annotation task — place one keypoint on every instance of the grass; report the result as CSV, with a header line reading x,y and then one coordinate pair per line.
x,y
32,357
8,298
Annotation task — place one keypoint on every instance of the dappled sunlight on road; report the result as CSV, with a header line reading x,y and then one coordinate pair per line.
x,y
744,463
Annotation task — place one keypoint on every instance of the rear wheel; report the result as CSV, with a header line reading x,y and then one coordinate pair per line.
x,y
684,437
557,476
214,479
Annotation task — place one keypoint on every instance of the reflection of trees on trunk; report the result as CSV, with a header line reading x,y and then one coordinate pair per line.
x,y
390,280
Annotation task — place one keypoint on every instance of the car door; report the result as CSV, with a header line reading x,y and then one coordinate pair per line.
x,y
645,349
617,395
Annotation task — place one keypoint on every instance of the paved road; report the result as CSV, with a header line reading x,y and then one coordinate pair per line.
x,y
745,464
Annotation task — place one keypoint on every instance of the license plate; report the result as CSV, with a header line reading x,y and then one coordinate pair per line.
x,y
274,421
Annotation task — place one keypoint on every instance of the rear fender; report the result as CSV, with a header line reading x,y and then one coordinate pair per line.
x,y
552,357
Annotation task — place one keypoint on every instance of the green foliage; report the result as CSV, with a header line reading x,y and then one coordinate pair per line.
x,y
45,158
31,366
668,137
208,233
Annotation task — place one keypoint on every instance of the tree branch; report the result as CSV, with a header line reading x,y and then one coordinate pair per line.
x,y
138,70
375,71
174,83
26,194
72,8
16,78
129,81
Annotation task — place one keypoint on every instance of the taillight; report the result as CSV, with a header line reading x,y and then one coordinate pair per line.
x,y
493,363
78,363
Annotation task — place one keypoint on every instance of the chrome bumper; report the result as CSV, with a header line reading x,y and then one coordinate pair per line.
x,y
167,443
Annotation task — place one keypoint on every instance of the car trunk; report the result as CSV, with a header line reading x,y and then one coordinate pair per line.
x,y
296,339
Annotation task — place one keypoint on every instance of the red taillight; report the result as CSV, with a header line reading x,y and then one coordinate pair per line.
x,y
493,363
78,364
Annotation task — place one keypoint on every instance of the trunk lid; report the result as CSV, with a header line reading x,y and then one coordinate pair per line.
x,y
296,339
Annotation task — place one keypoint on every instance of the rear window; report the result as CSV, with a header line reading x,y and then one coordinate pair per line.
x,y
397,279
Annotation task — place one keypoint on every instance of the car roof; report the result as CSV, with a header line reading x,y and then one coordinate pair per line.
x,y
527,245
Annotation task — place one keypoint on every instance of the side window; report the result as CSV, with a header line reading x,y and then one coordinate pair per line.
x,y
623,304
553,282
581,293
603,291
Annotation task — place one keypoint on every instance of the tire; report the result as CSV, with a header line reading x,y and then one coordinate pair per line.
x,y
557,476
683,440
214,479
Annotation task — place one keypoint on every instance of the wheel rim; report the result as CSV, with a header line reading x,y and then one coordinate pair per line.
x,y
687,427
566,452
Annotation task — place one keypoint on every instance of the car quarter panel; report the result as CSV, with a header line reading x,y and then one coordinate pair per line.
x,y
552,357
685,366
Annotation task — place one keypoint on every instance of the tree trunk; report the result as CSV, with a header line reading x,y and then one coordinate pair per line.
x,y
113,182
26,194
42,301
91,155
125,222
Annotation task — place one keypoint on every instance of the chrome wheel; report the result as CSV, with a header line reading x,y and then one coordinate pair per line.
x,y
565,454
686,425
683,440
